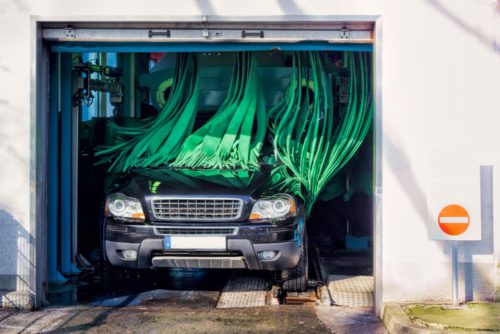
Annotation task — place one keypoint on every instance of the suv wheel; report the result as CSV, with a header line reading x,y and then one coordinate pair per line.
x,y
296,279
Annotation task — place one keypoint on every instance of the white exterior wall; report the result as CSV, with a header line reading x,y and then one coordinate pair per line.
x,y
440,99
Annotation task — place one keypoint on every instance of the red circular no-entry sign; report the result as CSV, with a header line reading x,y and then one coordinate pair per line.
x,y
454,219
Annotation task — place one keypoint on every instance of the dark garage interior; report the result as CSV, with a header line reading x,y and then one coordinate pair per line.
x,y
98,100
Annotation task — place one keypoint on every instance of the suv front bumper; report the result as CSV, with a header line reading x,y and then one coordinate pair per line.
x,y
242,247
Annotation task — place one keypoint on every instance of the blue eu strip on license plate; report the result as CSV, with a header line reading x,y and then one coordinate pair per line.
x,y
167,242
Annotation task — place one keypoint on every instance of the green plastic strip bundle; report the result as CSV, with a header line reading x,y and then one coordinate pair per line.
x,y
311,145
157,141
228,140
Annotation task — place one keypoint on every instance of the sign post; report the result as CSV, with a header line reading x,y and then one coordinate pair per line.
x,y
454,260
454,205
453,221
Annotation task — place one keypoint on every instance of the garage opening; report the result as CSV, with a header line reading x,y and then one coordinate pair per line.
x,y
174,139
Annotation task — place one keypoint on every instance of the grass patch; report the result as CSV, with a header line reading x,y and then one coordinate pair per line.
x,y
477,317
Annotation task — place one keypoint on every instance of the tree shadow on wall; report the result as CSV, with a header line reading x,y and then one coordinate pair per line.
x,y
473,278
487,41
15,263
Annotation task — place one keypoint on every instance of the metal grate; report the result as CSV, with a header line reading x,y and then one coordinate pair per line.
x,y
211,262
352,291
196,231
278,229
247,289
197,209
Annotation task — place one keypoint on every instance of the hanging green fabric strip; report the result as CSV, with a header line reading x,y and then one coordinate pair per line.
x,y
158,140
228,140
311,146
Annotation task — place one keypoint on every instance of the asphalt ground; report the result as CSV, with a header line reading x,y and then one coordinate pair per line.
x,y
185,301
191,315
179,301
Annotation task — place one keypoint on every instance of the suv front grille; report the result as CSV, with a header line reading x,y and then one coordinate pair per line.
x,y
196,230
197,209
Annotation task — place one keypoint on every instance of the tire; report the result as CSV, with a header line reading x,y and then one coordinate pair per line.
x,y
296,279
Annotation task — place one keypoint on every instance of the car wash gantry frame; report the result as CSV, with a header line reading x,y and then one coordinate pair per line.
x,y
195,34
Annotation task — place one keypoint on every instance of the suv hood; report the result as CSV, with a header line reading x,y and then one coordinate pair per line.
x,y
165,181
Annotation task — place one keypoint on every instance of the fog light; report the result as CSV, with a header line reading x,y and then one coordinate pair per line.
x,y
267,255
129,254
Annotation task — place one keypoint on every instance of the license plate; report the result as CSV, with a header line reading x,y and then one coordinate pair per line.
x,y
195,242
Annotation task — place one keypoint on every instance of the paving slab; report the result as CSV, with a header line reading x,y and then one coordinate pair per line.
x,y
42,321
352,290
244,290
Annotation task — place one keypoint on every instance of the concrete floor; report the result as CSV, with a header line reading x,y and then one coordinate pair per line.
x,y
189,311
185,301
182,318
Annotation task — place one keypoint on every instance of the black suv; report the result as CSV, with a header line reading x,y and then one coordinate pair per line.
x,y
180,221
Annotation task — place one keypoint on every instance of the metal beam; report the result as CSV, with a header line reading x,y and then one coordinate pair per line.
x,y
127,63
205,47
299,22
101,96
256,34
66,203
53,172
76,114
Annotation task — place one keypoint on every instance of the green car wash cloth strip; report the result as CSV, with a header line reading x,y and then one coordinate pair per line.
x,y
233,137
311,145
158,140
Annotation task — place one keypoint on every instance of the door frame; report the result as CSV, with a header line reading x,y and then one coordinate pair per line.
x,y
39,115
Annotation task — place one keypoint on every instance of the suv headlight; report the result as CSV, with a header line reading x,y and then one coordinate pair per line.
x,y
121,206
278,206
